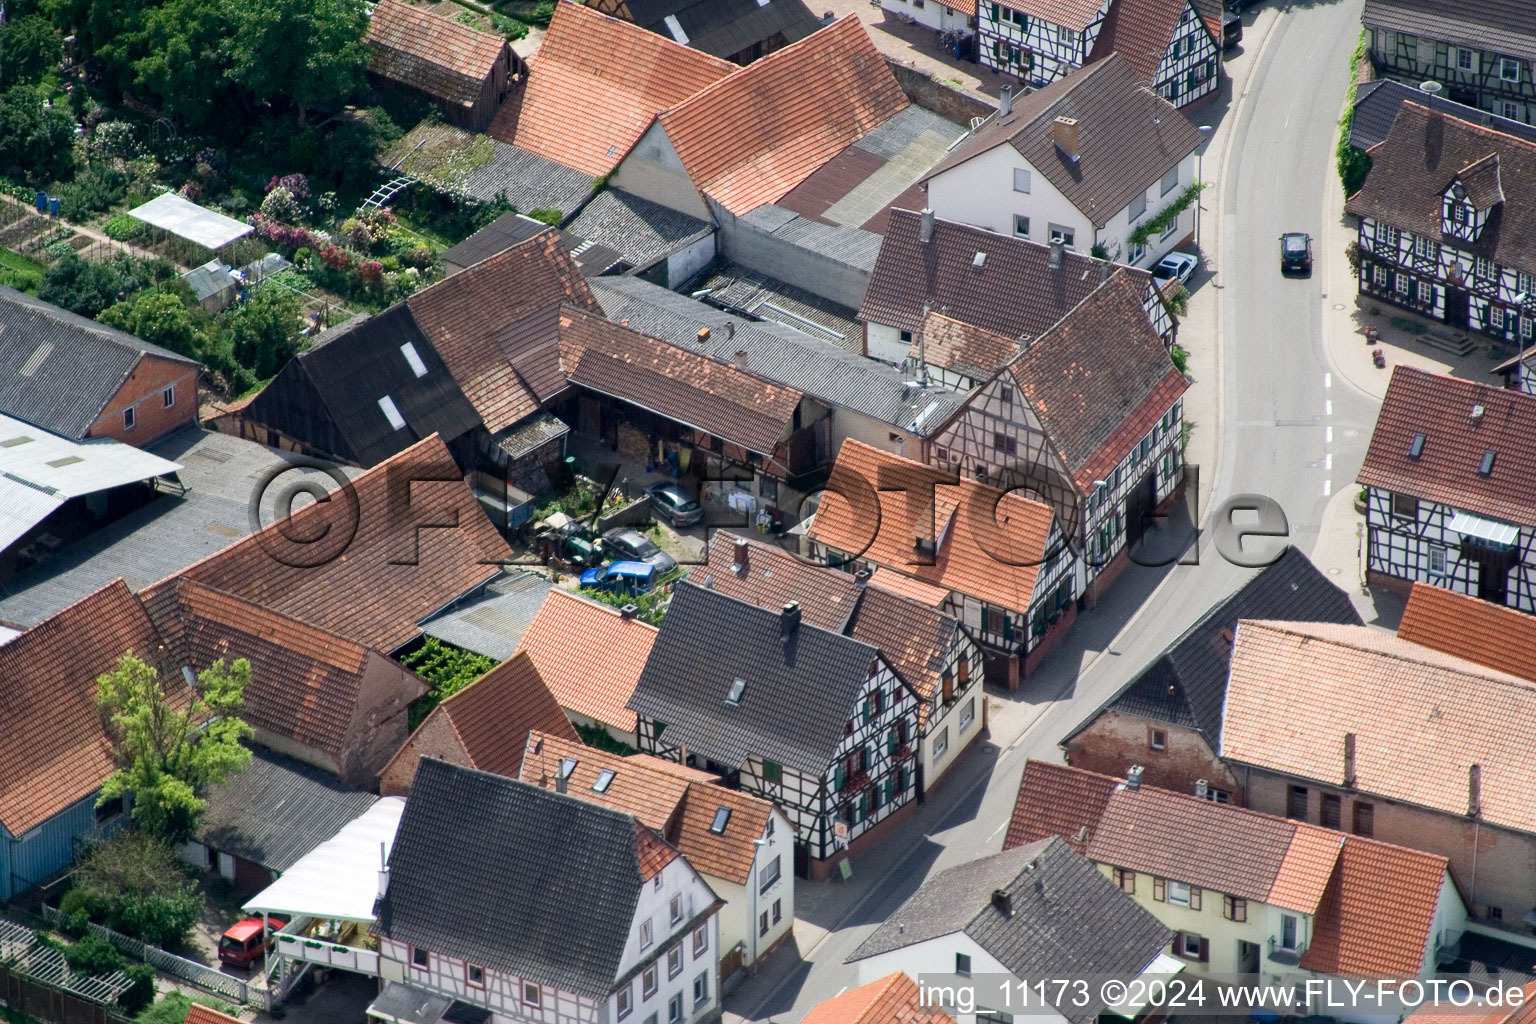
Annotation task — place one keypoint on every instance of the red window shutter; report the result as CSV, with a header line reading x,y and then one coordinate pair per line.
x,y
965,672
948,687
1160,889
1194,897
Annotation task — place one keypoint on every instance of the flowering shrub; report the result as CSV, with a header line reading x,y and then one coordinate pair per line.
x,y
371,272
358,234
336,257
296,184
281,205
192,191
284,236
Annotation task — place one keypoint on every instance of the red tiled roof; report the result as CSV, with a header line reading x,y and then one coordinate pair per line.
x,y
55,751
197,1013
473,320
970,521
402,541
654,852
1056,800
1523,1014
1099,380
1446,471
752,136
728,854
639,785
416,47
894,999
963,347
906,586
1471,628
682,386
589,655
1139,31
595,85
967,7
1377,915
1074,14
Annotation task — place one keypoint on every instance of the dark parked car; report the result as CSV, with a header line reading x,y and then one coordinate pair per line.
x,y
1239,6
1296,252
675,505
1231,30
622,542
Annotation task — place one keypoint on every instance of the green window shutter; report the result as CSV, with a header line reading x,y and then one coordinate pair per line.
x,y
995,13
890,743
866,712
837,778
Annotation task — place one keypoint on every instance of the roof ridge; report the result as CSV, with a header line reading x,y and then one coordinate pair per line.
x,y
189,586
759,610
1484,672
1464,124
598,605
767,60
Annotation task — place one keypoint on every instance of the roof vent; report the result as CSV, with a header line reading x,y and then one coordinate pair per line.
x,y
925,227
1430,89
703,334
1202,788
1005,101
979,260
1133,777
629,611
1082,835
1003,902
1417,447
1477,413
861,578
1064,134
789,619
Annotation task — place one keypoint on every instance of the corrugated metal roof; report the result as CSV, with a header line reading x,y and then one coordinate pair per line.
x,y
779,354
850,245
735,287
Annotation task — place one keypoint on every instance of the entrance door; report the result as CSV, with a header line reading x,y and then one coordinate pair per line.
x,y
1247,957
1138,508
1456,307
1493,577
802,859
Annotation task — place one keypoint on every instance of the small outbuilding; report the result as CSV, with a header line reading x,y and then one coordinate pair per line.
x,y
468,72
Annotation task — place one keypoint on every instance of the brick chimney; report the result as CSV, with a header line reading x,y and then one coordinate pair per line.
x,y
1002,900
1064,134
789,619
1349,760
739,556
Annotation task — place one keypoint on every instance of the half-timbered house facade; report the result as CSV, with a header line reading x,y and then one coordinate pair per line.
x,y
1444,230
1448,490
814,721
996,562
1089,418
1091,160
929,650
1043,41
1482,51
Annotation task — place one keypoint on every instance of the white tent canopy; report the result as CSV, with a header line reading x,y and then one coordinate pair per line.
x,y
339,879
185,219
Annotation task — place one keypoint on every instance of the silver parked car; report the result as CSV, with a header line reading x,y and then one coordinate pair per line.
x,y
623,543
675,505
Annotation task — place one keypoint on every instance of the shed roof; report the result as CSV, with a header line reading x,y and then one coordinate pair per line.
x,y
430,52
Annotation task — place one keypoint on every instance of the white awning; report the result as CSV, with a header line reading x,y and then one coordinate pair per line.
x,y
1490,530
40,471
339,879
185,219
1161,967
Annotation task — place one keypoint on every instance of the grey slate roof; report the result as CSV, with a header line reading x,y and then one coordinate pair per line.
x,y
527,181
277,810
735,287
510,228
1377,103
852,246
492,620
779,354
530,433
400,1002
221,473
1496,26
642,231
514,877
1067,920
1187,684
798,693
59,370
723,28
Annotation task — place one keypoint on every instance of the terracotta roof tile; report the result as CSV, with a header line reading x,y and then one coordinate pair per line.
x,y
967,519
1489,634
752,136
200,1014
1074,14
396,555
1379,910
652,794
654,852
595,85
1446,471
894,999
730,853
963,347
1523,1014
416,47
589,655
917,590
1099,380
1420,718
1304,873
1413,166
55,750
683,386
472,319
1057,800
1139,31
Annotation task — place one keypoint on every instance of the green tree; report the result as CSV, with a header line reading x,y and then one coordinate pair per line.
x,y
181,49
262,330
28,47
36,140
135,884
302,52
88,287
169,749
160,317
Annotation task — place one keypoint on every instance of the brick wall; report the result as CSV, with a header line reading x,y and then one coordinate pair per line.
x,y
435,738
945,100
143,391
1115,741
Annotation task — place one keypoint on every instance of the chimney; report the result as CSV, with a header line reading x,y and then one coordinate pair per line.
x,y
1477,414
1475,791
1349,760
740,549
1003,902
624,322
383,882
740,362
1202,788
861,578
1064,134
789,619
1058,253
1133,777
1005,101
730,331
925,231
703,334
629,611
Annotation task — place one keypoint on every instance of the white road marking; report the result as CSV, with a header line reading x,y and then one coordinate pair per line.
x,y
1327,488
997,830
841,991
1328,462
1329,437
1328,407
1327,380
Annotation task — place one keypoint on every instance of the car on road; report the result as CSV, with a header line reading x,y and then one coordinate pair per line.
x,y
675,505
622,542
245,942
1176,266
620,577
1296,252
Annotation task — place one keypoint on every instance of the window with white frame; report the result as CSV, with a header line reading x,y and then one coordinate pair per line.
x,y
675,961
1465,59
1425,247
675,1009
1379,276
941,742
675,910
1436,560
1134,252
1509,69
128,418
1138,206
968,714
701,989
1021,179
1401,283
420,958
770,875
645,935
1021,225
649,981
1386,234
1496,318
1526,324
1170,180
1426,292
532,994
1173,225
1178,892
1511,111
474,976
626,1000
168,396
700,940
1065,36
1486,268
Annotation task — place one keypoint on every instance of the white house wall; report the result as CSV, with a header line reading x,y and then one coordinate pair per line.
x,y
654,171
502,993
934,959
1191,66
738,918
929,13
979,192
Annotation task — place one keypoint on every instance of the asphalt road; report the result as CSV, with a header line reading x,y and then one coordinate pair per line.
x,y
1291,429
